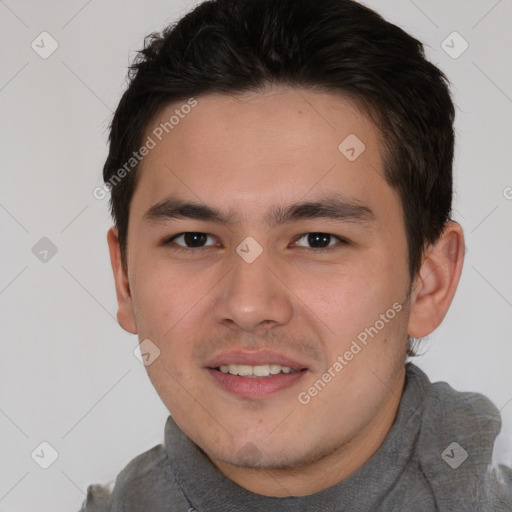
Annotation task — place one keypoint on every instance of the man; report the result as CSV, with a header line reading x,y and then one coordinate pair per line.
x,y
281,180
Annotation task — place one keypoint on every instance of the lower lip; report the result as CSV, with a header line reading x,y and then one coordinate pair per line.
x,y
259,387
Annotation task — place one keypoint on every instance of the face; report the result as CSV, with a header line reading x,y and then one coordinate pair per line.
x,y
289,267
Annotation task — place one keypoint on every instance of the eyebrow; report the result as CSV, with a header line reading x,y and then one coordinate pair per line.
x,y
332,207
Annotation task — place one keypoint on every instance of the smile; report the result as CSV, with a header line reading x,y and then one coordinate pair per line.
x,y
262,370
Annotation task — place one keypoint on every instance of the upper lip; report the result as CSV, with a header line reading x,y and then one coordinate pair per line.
x,y
253,358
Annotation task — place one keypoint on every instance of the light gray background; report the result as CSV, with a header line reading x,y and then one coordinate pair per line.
x,y
68,375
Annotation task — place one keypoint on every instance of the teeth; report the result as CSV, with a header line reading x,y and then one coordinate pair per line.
x,y
243,370
275,369
262,370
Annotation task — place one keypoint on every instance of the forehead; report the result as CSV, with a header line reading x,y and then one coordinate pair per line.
x,y
252,148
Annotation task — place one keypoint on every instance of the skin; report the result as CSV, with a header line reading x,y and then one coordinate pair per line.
x,y
245,155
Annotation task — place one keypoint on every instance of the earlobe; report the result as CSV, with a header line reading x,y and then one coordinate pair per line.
x,y
436,281
125,313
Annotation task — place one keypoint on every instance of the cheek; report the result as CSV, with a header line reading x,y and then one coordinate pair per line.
x,y
158,306
163,294
350,304
344,299
170,309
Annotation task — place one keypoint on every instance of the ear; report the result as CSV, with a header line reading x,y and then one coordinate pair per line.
x,y
125,313
435,284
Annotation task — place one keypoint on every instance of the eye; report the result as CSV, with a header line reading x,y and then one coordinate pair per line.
x,y
319,240
198,240
190,240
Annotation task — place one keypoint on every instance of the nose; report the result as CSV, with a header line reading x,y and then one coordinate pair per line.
x,y
252,296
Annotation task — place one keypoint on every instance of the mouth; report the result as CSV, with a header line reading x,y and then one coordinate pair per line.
x,y
256,374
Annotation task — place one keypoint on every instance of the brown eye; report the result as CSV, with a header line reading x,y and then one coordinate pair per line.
x,y
318,240
191,239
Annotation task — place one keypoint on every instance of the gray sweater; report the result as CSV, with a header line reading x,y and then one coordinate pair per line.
x,y
436,457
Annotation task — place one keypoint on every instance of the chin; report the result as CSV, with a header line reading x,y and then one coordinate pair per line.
x,y
251,455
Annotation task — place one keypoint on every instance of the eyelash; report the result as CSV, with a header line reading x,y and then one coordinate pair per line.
x,y
179,248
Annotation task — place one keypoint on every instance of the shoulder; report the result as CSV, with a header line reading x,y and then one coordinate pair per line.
x,y
455,448
98,499
456,411
471,416
131,482
142,467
